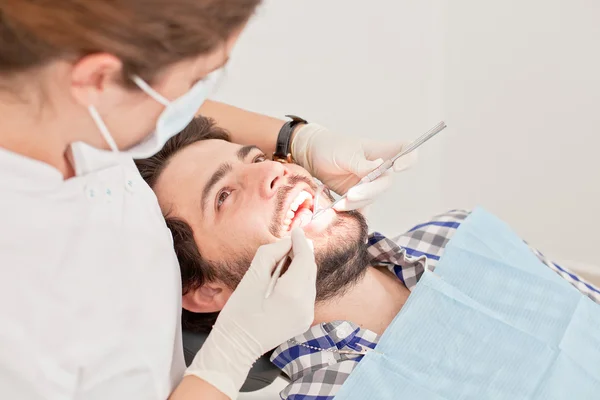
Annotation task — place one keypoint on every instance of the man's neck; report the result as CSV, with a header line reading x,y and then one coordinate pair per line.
x,y
372,302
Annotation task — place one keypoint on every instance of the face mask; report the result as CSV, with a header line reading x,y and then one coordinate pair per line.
x,y
174,118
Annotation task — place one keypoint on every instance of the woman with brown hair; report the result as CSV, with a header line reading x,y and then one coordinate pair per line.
x,y
89,282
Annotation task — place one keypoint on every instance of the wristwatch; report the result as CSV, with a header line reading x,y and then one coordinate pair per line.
x,y
283,150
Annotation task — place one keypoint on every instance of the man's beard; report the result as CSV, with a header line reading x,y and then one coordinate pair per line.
x,y
341,262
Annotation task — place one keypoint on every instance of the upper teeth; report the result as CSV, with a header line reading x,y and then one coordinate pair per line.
x,y
301,198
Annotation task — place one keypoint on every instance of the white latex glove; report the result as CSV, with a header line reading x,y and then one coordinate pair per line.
x,y
250,325
340,161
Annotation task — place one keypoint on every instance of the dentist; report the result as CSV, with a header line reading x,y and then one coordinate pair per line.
x,y
90,291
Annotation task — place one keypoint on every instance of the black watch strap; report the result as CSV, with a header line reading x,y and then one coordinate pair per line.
x,y
283,151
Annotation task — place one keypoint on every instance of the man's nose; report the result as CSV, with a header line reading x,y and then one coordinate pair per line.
x,y
269,176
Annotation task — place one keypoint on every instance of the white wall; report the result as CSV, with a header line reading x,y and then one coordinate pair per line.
x,y
517,82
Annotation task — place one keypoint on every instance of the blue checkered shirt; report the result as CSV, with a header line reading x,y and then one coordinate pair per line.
x,y
319,374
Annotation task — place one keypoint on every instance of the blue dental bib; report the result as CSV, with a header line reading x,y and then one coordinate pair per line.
x,y
491,323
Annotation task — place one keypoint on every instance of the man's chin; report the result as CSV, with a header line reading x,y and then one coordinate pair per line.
x,y
341,253
336,229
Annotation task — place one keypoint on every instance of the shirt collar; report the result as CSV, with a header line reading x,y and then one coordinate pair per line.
x,y
296,359
408,267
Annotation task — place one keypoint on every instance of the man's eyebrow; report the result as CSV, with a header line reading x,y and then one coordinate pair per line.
x,y
243,152
219,174
222,171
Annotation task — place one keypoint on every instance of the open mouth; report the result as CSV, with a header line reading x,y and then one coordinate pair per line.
x,y
299,211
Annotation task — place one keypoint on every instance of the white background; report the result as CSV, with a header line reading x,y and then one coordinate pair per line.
x,y
517,82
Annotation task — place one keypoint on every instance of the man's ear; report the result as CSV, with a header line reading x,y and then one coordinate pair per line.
x,y
210,297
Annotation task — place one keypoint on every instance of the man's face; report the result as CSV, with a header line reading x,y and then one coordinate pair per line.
x,y
236,200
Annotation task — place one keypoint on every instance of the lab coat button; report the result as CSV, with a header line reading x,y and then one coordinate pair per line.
x,y
90,192
109,196
129,185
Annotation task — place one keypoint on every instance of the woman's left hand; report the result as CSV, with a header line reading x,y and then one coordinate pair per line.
x,y
340,161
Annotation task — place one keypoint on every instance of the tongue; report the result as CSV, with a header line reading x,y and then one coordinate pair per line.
x,y
302,218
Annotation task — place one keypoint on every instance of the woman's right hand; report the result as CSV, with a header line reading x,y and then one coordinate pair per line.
x,y
250,325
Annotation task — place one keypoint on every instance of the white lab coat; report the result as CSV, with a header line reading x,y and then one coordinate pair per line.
x,y
90,290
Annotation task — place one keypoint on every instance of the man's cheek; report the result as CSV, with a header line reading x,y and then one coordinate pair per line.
x,y
259,218
298,170
253,231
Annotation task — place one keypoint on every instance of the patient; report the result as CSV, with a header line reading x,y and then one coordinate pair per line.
x,y
222,201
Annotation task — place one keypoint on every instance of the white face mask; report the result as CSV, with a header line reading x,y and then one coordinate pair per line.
x,y
174,118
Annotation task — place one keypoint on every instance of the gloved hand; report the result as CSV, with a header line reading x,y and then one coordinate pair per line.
x,y
250,325
340,161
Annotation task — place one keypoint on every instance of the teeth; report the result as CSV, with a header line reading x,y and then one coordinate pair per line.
x,y
301,198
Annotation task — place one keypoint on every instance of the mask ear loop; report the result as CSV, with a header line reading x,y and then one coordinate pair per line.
x,y
149,91
103,129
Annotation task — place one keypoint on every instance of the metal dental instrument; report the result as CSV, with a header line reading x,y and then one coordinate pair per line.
x,y
281,264
377,172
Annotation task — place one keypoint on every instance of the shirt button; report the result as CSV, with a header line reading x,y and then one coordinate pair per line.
x,y
344,331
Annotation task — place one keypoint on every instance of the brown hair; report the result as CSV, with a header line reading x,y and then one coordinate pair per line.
x,y
146,35
195,270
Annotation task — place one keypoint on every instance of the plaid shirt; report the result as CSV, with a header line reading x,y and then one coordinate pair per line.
x,y
318,375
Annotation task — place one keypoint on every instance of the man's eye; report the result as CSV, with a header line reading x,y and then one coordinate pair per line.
x,y
221,197
260,158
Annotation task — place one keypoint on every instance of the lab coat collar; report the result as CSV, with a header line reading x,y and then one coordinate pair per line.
x,y
23,172
87,159
26,174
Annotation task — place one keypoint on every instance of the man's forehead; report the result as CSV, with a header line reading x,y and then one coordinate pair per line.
x,y
202,157
190,168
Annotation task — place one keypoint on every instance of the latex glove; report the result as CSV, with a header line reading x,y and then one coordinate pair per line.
x,y
340,161
250,325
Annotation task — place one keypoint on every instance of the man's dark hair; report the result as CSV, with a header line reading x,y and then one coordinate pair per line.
x,y
195,270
